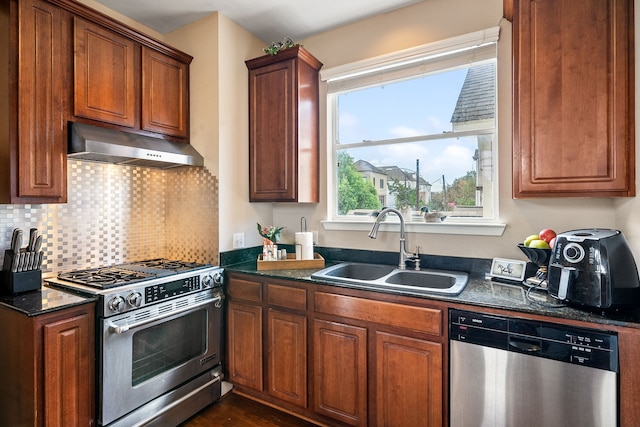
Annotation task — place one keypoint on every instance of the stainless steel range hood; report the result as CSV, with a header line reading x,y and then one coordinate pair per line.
x,y
112,146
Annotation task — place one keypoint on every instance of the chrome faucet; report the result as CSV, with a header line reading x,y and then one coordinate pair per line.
x,y
404,255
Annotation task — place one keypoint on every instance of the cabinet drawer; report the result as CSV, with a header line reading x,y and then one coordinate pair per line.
x,y
245,290
285,296
428,320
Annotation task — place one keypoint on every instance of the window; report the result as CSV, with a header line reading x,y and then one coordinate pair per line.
x,y
421,121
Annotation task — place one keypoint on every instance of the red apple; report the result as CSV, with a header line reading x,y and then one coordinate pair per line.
x,y
547,234
552,243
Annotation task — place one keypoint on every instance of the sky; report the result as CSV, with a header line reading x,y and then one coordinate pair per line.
x,y
410,108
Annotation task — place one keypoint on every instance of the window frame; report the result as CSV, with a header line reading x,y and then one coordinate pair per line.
x,y
440,55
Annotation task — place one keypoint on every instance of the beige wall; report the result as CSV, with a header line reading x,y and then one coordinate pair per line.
x,y
220,47
219,116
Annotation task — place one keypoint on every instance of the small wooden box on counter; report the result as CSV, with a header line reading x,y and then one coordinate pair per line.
x,y
291,263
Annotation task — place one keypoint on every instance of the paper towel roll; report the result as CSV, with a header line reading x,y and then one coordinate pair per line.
x,y
304,245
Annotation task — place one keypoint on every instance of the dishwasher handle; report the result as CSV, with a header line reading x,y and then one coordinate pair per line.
x,y
524,345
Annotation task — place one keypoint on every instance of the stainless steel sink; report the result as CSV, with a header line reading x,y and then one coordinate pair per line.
x,y
358,271
392,278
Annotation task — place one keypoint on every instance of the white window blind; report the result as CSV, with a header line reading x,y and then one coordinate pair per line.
x,y
444,54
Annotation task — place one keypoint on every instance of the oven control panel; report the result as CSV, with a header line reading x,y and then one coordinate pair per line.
x,y
140,296
171,289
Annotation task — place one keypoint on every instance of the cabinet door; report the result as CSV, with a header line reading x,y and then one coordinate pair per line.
x,y
272,133
41,164
408,381
573,98
105,83
283,127
165,89
245,344
68,371
340,372
288,356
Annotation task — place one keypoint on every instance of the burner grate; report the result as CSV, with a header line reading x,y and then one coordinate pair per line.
x,y
106,277
167,264
124,274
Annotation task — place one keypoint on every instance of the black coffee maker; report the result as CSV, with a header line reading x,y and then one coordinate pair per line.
x,y
594,268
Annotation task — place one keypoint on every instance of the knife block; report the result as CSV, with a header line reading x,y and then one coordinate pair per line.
x,y
24,281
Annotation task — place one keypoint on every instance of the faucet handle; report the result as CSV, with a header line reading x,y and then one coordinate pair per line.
x,y
416,265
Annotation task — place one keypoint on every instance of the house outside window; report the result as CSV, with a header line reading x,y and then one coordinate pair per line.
x,y
423,123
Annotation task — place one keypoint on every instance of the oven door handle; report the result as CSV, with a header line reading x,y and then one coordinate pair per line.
x,y
121,329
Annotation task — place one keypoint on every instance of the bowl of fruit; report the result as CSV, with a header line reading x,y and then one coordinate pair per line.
x,y
537,247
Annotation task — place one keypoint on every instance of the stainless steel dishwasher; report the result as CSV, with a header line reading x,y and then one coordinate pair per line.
x,y
520,373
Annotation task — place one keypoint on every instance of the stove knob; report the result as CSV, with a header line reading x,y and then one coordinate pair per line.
x,y
134,299
218,278
207,281
116,303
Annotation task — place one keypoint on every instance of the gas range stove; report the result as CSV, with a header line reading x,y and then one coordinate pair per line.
x,y
125,274
126,287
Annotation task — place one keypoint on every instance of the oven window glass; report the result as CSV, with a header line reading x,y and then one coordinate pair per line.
x,y
162,347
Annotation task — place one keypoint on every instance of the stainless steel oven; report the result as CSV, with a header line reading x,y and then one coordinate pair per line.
x,y
159,341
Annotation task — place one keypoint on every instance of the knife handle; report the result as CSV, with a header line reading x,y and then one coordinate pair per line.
x,y
33,235
15,258
16,240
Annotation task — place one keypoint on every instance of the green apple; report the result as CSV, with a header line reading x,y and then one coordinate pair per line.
x,y
530,239
539,244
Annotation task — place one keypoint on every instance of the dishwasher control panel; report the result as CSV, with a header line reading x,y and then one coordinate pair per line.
x,y
580,346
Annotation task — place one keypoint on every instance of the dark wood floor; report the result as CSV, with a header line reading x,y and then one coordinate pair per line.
x,y
234,410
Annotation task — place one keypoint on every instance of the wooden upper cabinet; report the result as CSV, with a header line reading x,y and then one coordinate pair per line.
x,y
48,46
33,165
507,8
283,127
104,76
573,98
124,82
164,94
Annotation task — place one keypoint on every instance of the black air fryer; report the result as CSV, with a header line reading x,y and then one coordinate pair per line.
x,y
595,268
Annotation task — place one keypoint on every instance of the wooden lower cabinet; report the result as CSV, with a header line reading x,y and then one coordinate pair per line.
x,y
47,368
244,324
408,381
378,362
287,356
340,372
333,358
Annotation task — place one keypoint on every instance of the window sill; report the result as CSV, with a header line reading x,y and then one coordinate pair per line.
x,y
460,228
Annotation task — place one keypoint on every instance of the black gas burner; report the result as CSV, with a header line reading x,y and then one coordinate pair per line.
x,y
125,274
106,277
167,264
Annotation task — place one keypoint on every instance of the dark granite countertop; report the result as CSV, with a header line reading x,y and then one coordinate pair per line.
x,y
41,301
481,291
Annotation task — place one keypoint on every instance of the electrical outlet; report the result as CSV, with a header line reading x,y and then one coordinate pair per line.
x,y
238,240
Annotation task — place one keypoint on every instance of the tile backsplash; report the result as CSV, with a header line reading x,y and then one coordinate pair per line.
x,y
118,214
